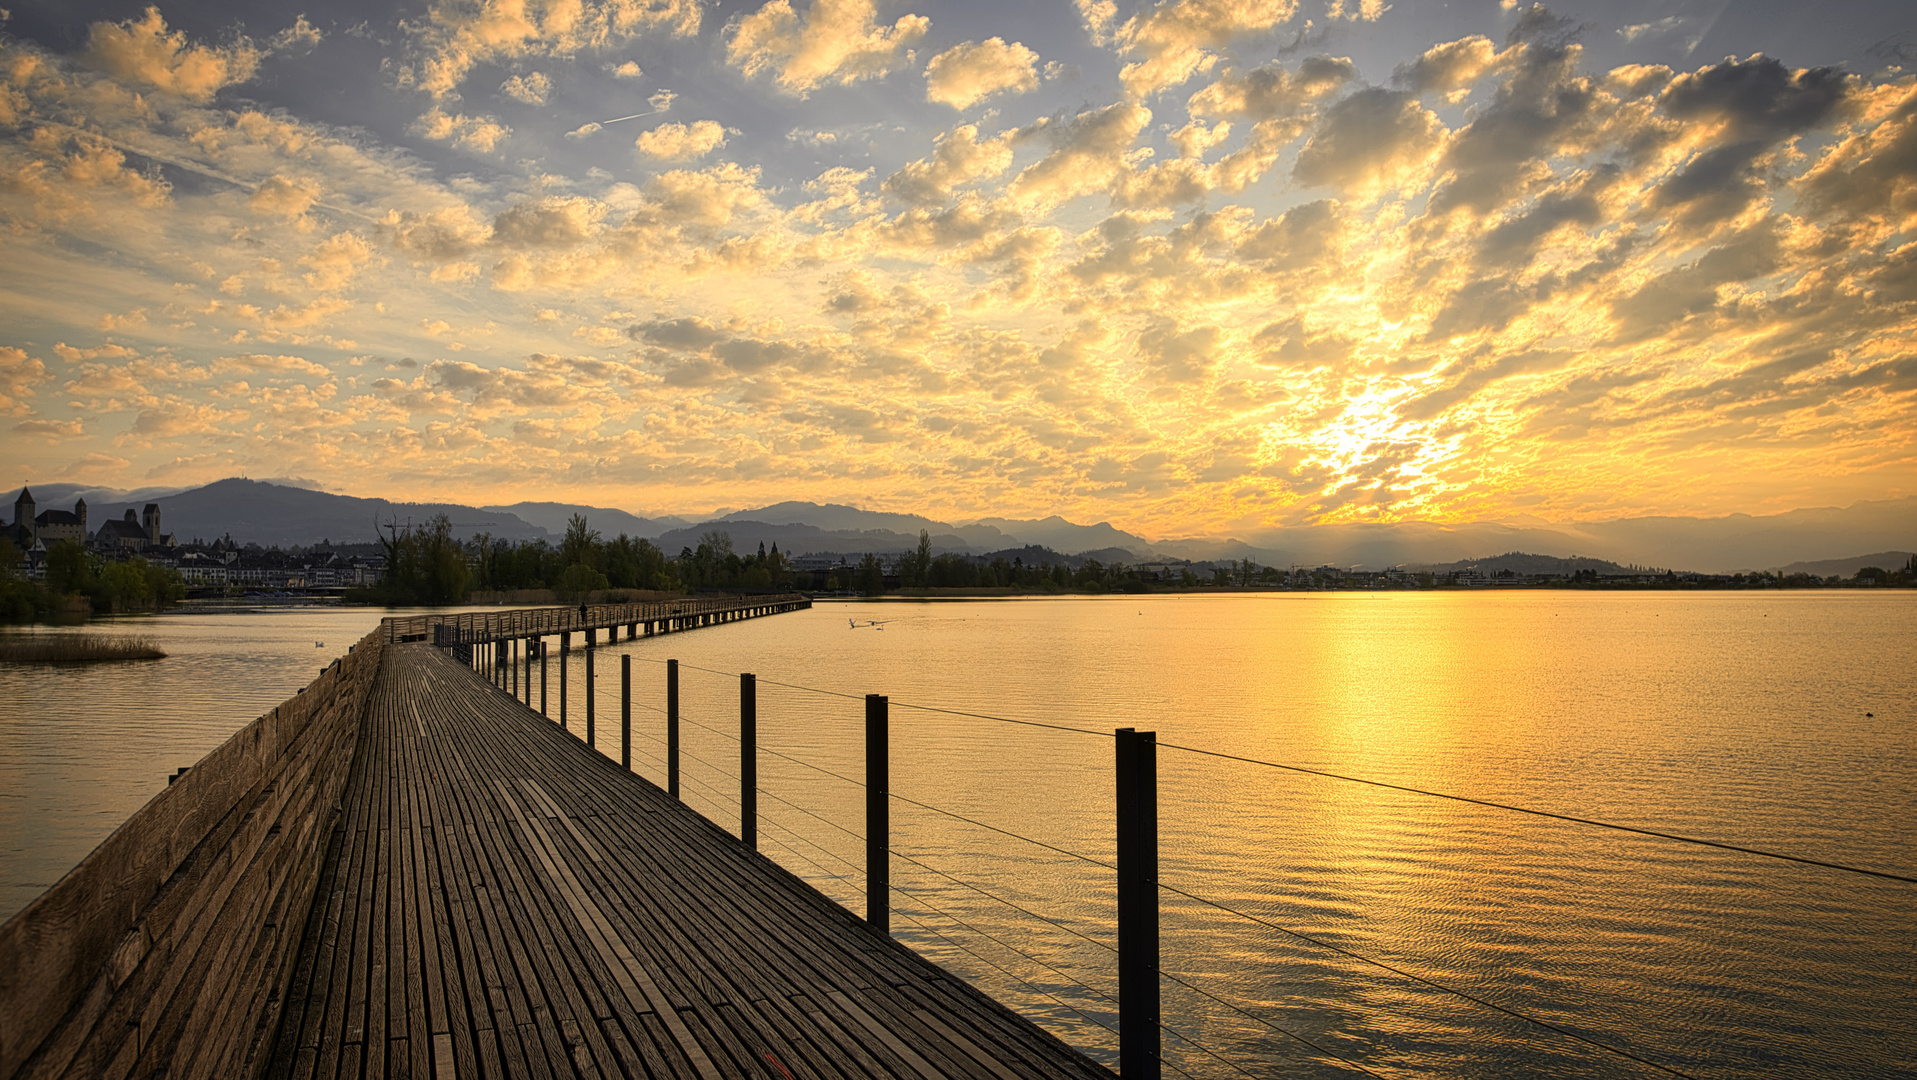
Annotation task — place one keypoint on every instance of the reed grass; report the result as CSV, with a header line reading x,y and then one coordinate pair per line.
x,y
76,648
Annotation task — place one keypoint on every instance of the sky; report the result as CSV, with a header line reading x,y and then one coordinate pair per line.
x,y
1189,267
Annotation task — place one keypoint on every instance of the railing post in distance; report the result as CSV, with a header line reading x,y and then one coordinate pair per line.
x,y
672,728
625,711
878,813
590,695
749,761
1137,790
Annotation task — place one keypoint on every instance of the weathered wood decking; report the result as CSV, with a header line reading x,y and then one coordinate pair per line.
x,y
499,900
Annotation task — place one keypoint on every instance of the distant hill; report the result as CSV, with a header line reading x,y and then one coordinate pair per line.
x,y
1060,535
254,511
794,539
1519,562
836,517
552,517
1883,560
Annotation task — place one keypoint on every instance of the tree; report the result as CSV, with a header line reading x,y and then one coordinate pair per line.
x,y
871,575
581,545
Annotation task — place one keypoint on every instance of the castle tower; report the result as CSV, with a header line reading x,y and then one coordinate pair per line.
x,y
80,511
151,519
23,517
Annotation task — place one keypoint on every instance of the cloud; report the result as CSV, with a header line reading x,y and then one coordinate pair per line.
x,y
836,43
333,263
965,74
1175,38
1872,172
1371,139
554,221
1356,10
19,374
481,133
458,35
958,158
627,70
1088,154
280,197
50,429
1172,355
1272,91
532,88
682,142
1452,66
144,52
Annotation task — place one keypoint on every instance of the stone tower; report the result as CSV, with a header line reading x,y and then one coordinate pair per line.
x,y
80,511
23,517
151,519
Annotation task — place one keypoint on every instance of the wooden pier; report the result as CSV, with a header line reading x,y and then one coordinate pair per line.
x,y
403,871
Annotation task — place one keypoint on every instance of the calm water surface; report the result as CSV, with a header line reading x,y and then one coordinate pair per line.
x,y
1741,717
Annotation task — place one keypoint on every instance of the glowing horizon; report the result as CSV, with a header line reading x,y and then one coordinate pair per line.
x,y
1199,266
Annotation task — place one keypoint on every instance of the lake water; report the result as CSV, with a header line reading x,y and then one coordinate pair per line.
x,y
1744,718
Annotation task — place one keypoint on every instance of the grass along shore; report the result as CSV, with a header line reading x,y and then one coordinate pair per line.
x,y
75,648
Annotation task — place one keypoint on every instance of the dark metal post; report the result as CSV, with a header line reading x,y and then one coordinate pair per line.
x,y
564,651
749,760
589,696
878,814
672,728
542,678
625,711
1137,791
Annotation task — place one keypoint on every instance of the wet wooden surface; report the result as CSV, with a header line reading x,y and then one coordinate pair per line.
x,y
500,900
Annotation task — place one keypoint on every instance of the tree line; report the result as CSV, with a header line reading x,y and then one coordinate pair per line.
x,y
79,581
428,565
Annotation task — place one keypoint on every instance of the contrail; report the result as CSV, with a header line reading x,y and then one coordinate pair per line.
x,y
634,116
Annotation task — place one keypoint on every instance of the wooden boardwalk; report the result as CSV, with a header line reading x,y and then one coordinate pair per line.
x,y
499,900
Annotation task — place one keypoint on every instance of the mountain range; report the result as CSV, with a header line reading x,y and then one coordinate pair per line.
x,y
287,512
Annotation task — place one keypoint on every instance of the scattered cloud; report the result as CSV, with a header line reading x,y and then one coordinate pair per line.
x,y
964,75
458,35
833,43
532,88
145,53
682,142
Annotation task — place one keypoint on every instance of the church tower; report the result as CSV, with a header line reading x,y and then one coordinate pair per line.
x,y
23,518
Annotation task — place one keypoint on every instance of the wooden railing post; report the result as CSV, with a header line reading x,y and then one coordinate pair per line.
x,y
878,813
672,728
749,760
542,677
564,651
625,711
1138,1013
589,695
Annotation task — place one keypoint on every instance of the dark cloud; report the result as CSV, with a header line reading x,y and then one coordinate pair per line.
x,y
1758,99
1365,137
1303,236
550,223
1273,90
1177,356
1544,105
1676,295
1872,173
687,333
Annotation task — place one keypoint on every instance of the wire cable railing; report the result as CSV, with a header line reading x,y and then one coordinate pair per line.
x,y
795,844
